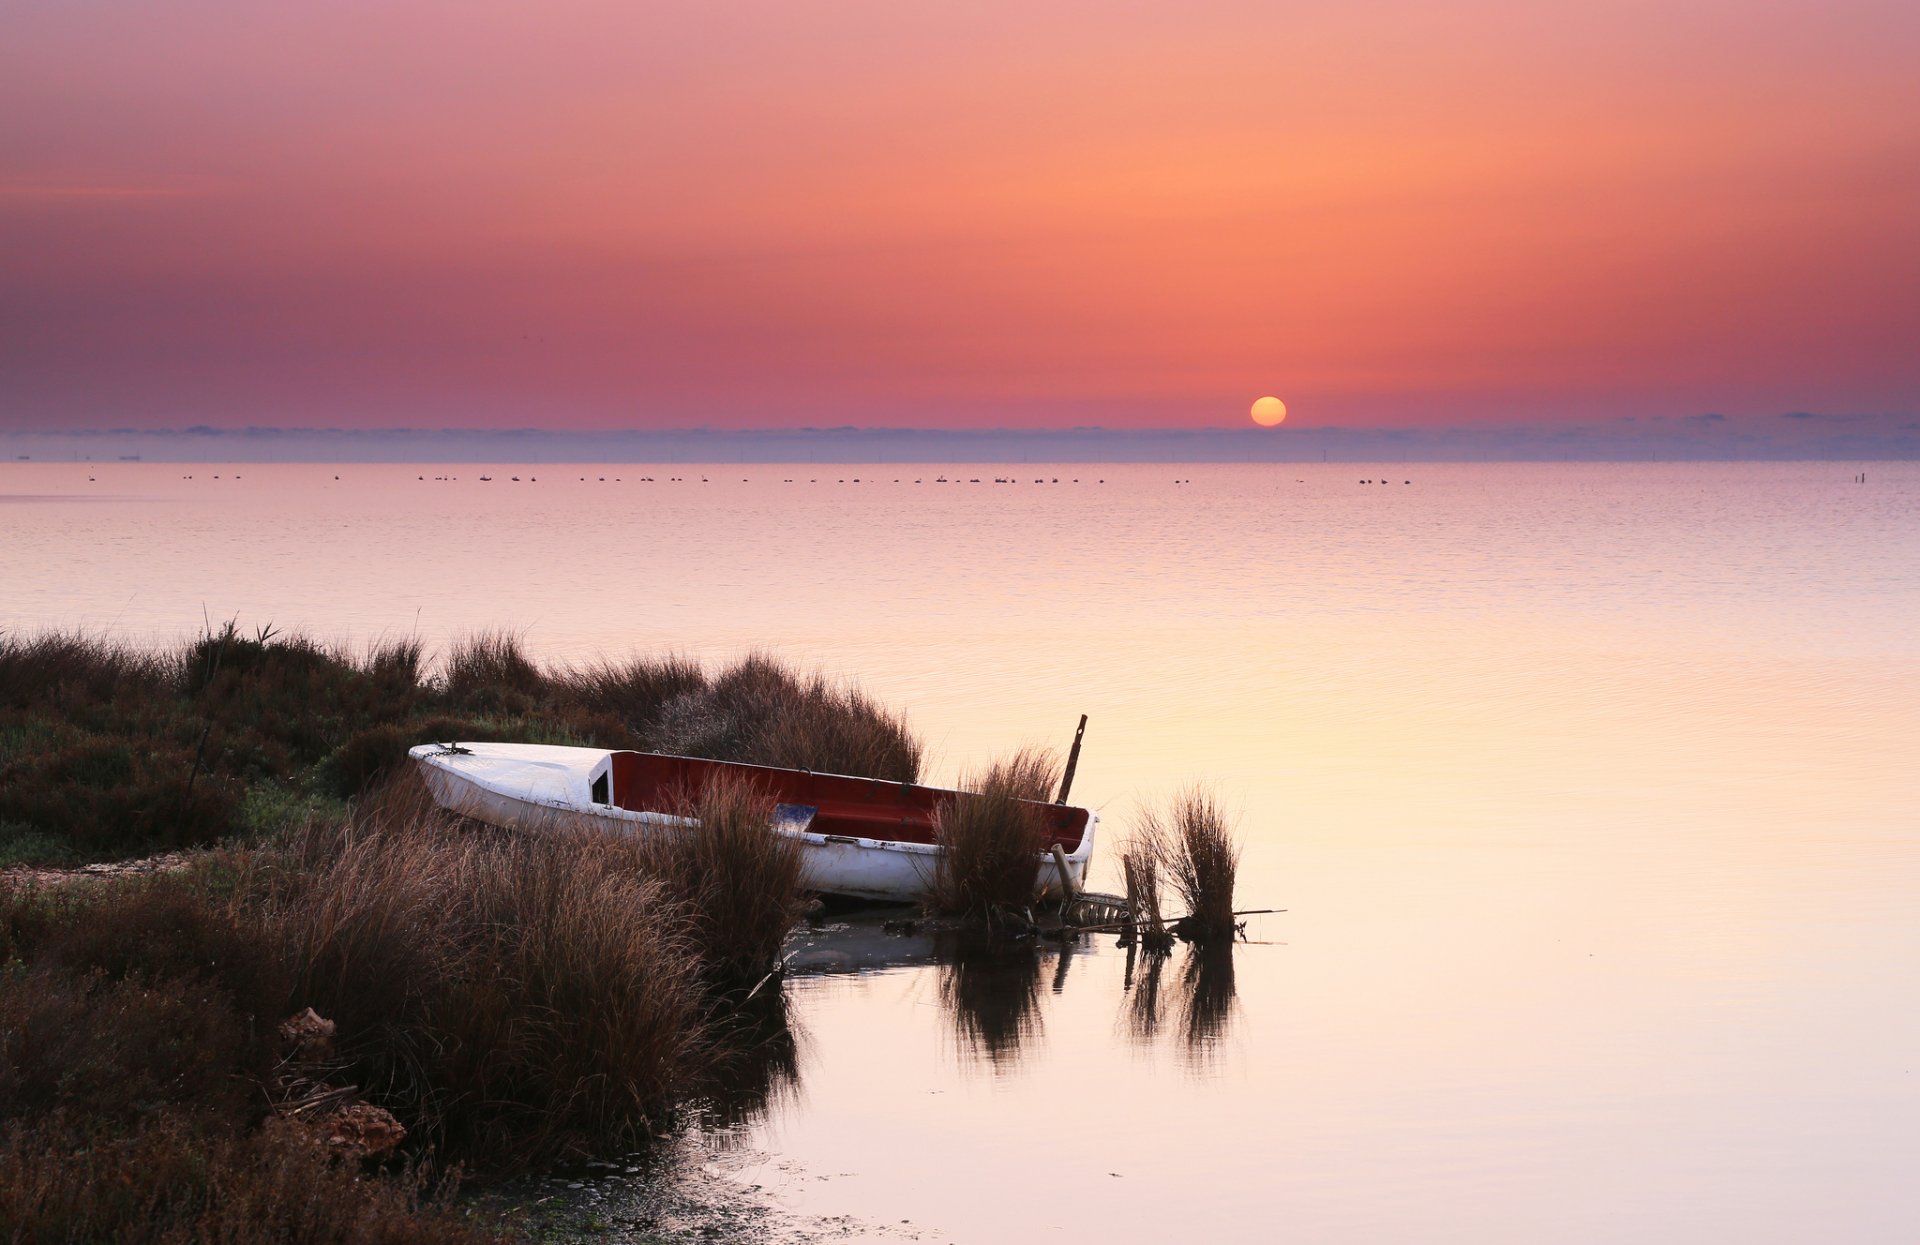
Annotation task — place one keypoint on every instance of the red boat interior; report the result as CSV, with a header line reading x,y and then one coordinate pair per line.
x,y
860,808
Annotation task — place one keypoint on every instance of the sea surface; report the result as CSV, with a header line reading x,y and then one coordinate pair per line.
x,y
1591,792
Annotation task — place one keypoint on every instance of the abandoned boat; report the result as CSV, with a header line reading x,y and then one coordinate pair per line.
x,y
861,837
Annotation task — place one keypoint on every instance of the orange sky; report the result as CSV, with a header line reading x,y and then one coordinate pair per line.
x,y
773,214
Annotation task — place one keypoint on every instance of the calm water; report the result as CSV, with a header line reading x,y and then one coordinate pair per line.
x,y
1591,792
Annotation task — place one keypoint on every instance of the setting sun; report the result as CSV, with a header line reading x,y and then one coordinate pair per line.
x,y
1269,412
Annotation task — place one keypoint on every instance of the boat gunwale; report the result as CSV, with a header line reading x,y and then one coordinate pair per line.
x,y
446,760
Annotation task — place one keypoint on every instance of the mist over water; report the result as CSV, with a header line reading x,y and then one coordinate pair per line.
x,y
1589,789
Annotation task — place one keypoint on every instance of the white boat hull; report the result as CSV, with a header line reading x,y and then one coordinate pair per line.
x,y
540,794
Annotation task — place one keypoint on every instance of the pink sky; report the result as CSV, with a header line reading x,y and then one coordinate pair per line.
x,y
768,215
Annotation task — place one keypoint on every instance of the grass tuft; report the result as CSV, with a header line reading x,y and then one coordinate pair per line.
x,y
1197,853
761,711
518,999
69,670
991,836
490,671
735,876
637,691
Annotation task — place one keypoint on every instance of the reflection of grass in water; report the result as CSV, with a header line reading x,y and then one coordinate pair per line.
x,y
756,1060
1206,998
1203,997
1145,1008
992,994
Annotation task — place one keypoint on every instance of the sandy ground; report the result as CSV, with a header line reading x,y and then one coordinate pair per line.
x,y
32,875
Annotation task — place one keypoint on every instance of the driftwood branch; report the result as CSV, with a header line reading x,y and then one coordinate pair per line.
x,y
1116,926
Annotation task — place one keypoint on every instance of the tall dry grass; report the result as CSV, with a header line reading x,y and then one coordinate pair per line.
x,y
1199,857
991,836
839,730
490,671
762,711
71,670
635,691
735,877
515,998
1140,867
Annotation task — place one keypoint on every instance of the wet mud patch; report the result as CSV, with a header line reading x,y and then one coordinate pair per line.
x,y
701,1194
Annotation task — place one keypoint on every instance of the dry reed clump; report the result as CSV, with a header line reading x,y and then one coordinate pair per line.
x,y
1197,854
736,878
74,672
515,998
636,691
1140,867
761,711
991,836
491,672
838,730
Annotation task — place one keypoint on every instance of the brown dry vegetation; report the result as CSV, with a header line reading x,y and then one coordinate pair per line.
x,y
1194,852
137,1056
171,1180
107,751
992,835
512,1000
736,878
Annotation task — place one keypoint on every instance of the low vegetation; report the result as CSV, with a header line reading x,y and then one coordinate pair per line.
x,y
351,999
143,1078
495,1002
173,1178
993,835
107,751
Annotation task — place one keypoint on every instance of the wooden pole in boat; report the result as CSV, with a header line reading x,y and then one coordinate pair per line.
x,y
1073,761
1068,891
